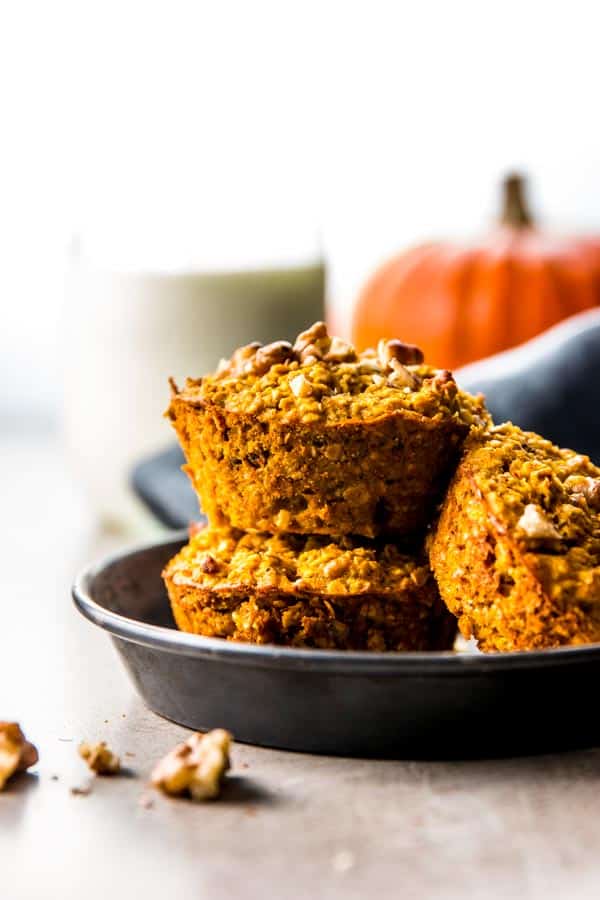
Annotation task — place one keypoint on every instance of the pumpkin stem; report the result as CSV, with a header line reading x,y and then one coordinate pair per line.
x,y
514,209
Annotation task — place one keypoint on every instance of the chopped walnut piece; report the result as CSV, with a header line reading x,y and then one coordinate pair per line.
x,y
591,491
535,524
100,758
312,335
407,354
313,344
444,376
310,355
574,463
583,490
366,367
16,752
196,766
300,386
239,361
401,377
270,355
340,351
209,565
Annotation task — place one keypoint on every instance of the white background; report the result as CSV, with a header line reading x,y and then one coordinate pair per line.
x,y
213,130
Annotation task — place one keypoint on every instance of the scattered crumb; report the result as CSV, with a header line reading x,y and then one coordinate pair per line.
x,y
195,767
100,758
16,753
54,778
130,754
250,810
146,801
244,765
81,790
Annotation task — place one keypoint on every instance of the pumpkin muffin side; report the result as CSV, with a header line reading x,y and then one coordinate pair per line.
x,y
516,550
307,592
317,439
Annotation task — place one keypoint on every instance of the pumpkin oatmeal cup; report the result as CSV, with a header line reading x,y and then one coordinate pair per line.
x,y
306,592
316,438
516,551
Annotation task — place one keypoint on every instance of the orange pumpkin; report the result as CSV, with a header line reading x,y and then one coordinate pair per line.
x,y
461,302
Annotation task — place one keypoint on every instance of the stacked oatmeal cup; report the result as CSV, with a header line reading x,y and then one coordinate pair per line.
x,y
320,470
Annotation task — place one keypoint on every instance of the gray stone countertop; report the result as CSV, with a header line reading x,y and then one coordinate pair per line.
x,y
288,825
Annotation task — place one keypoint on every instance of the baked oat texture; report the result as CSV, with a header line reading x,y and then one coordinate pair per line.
x,y
306,592
516,551
317,439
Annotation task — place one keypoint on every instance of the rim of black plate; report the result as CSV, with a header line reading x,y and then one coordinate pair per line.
x,y
350,662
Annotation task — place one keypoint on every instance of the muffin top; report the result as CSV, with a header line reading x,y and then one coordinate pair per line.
x,y
548,497
324,379
225,559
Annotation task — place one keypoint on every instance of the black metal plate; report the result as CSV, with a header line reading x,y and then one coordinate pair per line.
x,y
409,705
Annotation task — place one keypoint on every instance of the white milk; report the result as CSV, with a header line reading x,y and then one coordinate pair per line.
x,y
127,332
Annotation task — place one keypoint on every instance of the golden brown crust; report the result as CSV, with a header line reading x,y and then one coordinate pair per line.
x,y
352,478
306,592
516,551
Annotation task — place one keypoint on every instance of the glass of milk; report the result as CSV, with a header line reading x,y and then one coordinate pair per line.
x,y
130,324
